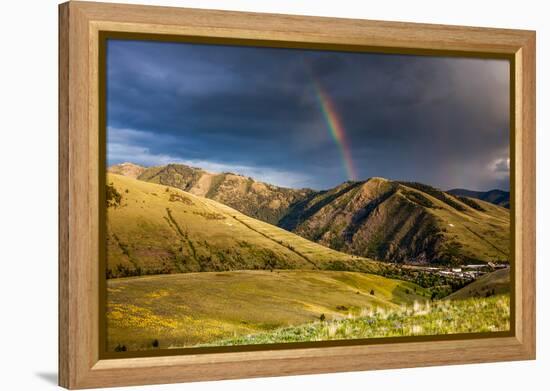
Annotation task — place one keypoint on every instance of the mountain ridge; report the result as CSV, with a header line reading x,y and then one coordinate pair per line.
x,y
127,169
403,222
396,221
256,199
494,196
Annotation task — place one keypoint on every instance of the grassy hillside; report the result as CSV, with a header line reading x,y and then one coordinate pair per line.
x,y
256,199
403,222
491,284
193,308
155,229
438,318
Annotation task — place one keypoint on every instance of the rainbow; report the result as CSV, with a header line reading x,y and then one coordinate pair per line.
x,y
335,128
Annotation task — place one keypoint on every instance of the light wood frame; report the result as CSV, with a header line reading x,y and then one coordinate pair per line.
x,y
79,25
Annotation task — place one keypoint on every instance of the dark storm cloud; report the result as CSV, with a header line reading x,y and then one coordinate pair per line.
x,y
442,121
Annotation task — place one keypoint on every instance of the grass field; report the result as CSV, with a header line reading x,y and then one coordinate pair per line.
x,y
189,309
443,317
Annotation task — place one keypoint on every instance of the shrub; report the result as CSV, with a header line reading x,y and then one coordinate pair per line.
x,y
120,348
175,197
155,343
113,196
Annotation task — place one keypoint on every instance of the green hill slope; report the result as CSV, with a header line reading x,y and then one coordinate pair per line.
x,y
192,308
403,222
155,229
491,284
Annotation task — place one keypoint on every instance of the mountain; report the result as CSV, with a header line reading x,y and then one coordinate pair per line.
x,y
402,222
497,197
155,229
255,199
127,169
494,283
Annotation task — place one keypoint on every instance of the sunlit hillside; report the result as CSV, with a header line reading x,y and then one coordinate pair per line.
x,y
155,229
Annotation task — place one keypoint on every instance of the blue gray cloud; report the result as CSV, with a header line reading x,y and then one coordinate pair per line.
x,y
442,121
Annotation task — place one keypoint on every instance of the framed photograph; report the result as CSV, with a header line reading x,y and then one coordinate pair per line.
x,y
247,195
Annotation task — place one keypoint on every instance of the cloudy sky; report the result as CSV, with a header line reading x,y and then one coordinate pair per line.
x,y
313,119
